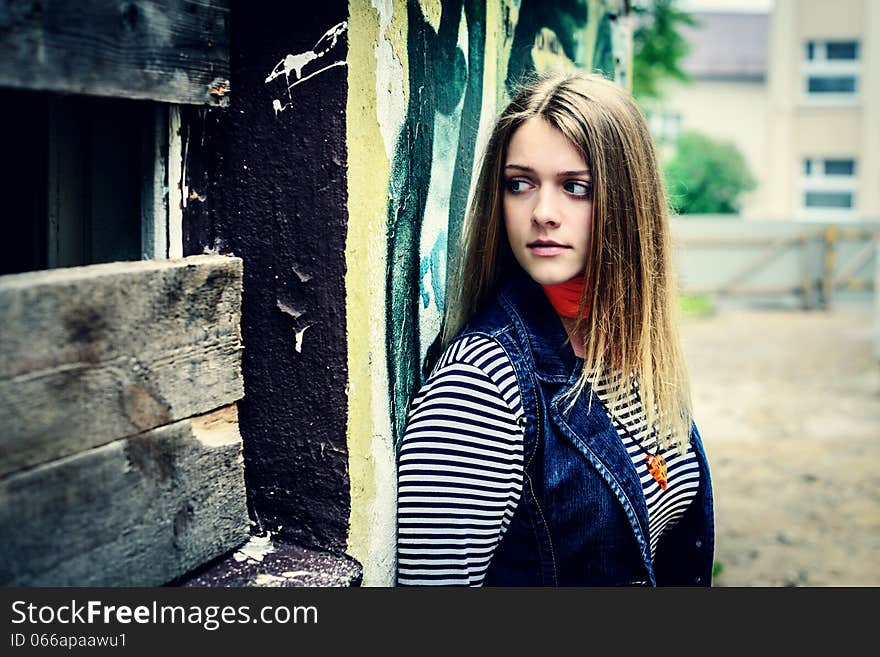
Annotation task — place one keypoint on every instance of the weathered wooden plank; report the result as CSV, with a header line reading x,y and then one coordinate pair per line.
x,y
93,354
136,512
175,51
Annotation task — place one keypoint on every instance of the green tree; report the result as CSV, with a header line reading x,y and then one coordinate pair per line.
x,y
658,46
706,176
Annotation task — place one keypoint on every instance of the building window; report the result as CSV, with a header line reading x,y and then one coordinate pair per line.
x,y
90,181
828,199
831,84
842,50
828,188
832,71
840,167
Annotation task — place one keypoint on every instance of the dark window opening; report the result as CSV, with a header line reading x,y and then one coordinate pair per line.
x,y
74,193
842,50
840,167
830,200
832,84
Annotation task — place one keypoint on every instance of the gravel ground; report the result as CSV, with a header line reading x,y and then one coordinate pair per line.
x,y
788,404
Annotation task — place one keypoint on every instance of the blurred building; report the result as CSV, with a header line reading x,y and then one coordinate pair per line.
x,y
797,89
823,134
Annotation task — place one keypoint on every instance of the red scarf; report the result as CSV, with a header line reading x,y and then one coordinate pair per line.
x,y
566,297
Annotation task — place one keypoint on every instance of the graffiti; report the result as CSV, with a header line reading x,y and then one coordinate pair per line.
x,y
548,36
435,151
296,63
430,177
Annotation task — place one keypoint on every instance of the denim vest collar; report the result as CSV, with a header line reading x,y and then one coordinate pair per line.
x,y
536,320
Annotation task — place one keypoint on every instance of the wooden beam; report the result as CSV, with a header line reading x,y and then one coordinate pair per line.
x,y
856,234
856,262
773,249
89,355
136,512
175,51
744,240
744,290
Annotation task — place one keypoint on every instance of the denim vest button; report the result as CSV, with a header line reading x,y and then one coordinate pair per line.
x,y
699,544
698,580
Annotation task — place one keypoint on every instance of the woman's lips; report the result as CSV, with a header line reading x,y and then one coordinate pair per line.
x,y
546,250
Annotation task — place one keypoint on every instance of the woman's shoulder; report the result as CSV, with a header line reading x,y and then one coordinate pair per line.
x,y
472,348
484,357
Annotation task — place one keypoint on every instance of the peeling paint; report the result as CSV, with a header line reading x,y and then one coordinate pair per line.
x,y
301,275
299,338
296,63
390,99
287,309
256,548
266,579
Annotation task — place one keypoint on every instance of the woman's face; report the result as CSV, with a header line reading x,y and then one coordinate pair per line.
x,y
548,203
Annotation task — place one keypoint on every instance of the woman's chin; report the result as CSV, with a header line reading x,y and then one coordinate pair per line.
x,y
552,278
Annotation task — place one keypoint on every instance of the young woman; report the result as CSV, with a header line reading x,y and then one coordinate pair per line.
x,y
553,443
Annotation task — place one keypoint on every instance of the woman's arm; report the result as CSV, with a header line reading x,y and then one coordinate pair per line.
x,y
460,469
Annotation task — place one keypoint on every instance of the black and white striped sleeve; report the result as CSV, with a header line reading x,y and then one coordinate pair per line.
x,y
460,468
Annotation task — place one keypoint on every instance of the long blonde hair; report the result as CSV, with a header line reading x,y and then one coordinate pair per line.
x,y
632,328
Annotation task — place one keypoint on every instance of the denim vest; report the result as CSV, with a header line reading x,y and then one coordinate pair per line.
x,y
582,519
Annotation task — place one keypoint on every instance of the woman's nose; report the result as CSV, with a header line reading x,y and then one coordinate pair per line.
x,y
546,209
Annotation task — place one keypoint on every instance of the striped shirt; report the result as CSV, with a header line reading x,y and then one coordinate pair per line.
x,y
460,469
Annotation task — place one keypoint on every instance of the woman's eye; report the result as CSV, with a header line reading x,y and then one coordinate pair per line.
x,y
579,188
517,186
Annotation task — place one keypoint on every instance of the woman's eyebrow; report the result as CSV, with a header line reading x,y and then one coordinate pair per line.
x,y
580,172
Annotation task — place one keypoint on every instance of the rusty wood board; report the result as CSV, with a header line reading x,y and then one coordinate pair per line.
x,y
174,51
93,354
135,512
